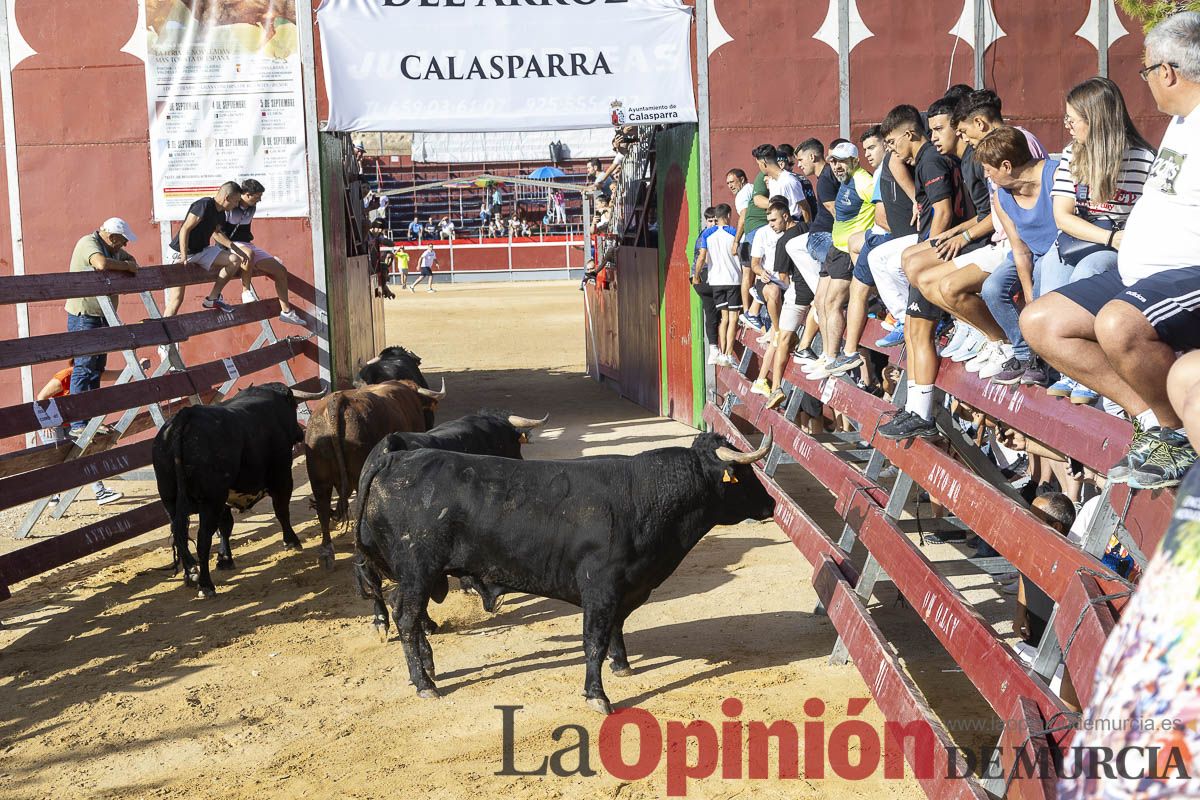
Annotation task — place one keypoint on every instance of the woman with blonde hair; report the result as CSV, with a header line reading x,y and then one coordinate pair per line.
x,y
1097,182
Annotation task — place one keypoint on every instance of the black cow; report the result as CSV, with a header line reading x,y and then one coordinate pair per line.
x,y
395,363
599,533
211,459
488,433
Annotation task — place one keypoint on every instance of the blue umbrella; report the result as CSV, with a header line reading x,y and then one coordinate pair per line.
x,y
546,173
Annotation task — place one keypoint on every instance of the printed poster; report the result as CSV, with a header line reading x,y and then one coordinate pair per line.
x,y
225,101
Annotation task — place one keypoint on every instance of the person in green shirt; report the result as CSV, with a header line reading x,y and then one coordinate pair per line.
x,y
753,217
102,249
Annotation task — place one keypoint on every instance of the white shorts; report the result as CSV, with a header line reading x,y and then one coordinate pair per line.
x,y
257,254
986,258
791,316
204,258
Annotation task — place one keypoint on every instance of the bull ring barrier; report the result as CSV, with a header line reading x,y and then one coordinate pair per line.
x,y
146,401
1087,595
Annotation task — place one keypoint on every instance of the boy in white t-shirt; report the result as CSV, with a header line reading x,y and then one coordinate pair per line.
x,y
1118,332
724,276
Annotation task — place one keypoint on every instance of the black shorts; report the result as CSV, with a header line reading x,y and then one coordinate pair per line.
x,y
837,265
920,306
727,298
744,254
426,271
1170,301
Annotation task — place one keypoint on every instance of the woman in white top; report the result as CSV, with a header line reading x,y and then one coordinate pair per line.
x,y
1097,182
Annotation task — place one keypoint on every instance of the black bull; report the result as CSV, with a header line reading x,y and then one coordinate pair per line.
x,y
208,459
597,533
395,363
488,433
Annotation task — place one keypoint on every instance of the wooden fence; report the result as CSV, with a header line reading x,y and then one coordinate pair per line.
x,y
1087,595
145,400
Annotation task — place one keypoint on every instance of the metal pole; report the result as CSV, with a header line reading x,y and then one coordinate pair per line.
x,y
844,68
980,39
1102,37
316,203
587,235
14,197
702,111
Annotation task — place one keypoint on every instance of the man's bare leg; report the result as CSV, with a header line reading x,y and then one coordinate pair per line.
x,y
837,292
1139,357
960,289
279,274
856,314
1183,387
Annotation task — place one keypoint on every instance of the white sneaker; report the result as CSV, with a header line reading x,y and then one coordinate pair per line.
x,y
812,366
995,365
767,339
714,355
728,360
820,370
984,355
107,496
963,333
248,296
970,349
292,318
164,352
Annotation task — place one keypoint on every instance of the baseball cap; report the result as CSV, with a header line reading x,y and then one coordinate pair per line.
x,y
843,151
120,227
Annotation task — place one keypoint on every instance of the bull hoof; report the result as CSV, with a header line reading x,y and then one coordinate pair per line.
x,y
381,630
292,545
429,627
225,565
428,694
191,577
599,705
622,672
206,594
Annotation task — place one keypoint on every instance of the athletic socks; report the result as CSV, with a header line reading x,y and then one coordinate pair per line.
x,y
920,400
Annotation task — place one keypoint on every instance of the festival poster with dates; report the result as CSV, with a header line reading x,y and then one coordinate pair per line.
x,y
225,102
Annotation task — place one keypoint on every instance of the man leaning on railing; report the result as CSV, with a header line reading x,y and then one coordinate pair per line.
x,y
102,249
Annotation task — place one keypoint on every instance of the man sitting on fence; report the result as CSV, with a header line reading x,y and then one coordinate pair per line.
x,y
200,240
237,228
103,249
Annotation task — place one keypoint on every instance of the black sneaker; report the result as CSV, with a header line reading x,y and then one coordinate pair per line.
x,y
1036,373
1166,460
1011,373
805,356
907,425
1138,448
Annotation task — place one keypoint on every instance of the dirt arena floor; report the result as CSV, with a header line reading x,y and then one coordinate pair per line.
x,y
116,682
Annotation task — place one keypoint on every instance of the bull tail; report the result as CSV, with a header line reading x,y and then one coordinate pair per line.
x,y
340,512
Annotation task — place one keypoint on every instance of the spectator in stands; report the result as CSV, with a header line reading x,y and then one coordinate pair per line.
x,y
743,193
102,249
400,259
426,264
853,213
378,260
485,217
414,229
431,228
558,215
1117,332
768,289
751,221
600,180
926,265
60,386
787,162
1026,213
894,217
1099,179
237,228
811,162
940,207
794,296
724,276
497,201
381,212
700,285
961,292
202,241
602,219
780,182
1034,607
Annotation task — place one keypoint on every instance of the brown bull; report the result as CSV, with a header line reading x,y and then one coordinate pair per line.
x,y
344,428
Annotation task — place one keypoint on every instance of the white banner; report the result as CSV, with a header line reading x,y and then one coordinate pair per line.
x,y
465,66
225,103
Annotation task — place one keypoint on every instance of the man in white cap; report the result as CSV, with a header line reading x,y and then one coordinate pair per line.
x,y
102,249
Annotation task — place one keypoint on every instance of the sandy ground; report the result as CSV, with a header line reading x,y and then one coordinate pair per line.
x,y
116,682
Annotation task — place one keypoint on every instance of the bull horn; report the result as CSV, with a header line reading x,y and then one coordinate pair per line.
x,y
734,457
374,360
306,396
525,423
431,394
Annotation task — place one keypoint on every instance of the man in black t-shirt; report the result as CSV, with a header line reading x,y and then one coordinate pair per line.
x,y
237,228
941,206
202,241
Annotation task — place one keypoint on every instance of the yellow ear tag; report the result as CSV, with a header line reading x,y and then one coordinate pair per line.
x,y
729,477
